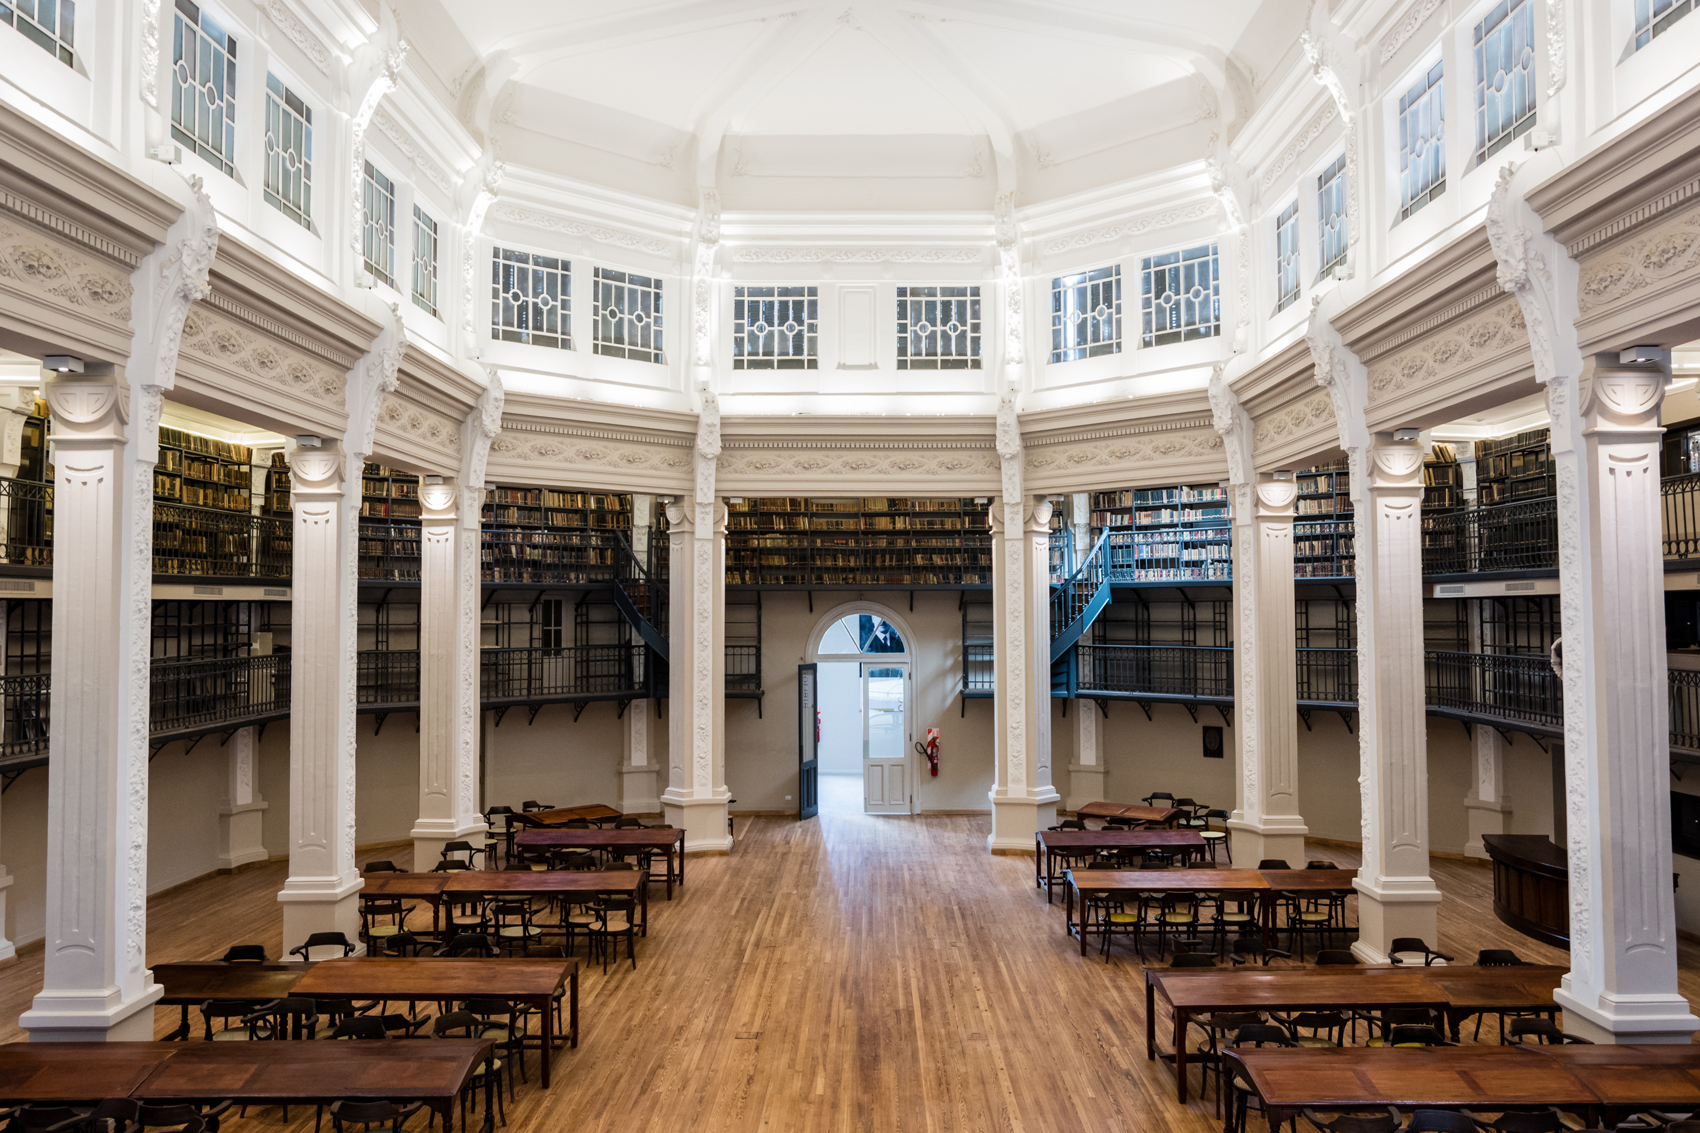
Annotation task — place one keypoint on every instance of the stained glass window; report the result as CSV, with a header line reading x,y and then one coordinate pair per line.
x,y
1086,314
1505,75
52,24
203,86
627,315
531,299
377,234
938,328
424,260
775,328
1287,257
1180,296
1654,18
289,153
1331,217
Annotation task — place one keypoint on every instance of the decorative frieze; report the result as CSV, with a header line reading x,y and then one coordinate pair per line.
x,y
242,352
817,462
1134,226
420,424
1667,252
1495,331
599,233
1119,452
37,265
1314,412
767,254
591,454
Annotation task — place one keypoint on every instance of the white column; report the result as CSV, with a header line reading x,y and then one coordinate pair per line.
x,y
696,795
1396,895
1086,773
241,812
637,769
1266,823
448,670
1023,800
321,893
1623,942
95,982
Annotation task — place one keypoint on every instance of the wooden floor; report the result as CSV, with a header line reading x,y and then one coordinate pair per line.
x,y
847,973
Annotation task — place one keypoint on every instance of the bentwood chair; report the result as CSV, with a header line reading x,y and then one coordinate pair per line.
x,y
185,1118
1384,1122
1214,837
323,940
382,917
385,866
1406,946
614,919
530,806
1440,1121
1242,1095
504,1023
232,1018
1160,798
245,954
1537,1121
466,1025
1543,1031
355,1111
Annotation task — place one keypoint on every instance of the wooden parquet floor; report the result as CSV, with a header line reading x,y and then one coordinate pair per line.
x,y
848,973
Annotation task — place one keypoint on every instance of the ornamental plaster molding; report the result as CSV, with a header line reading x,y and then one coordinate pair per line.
x,y
480,187
1136,226
1497,330
482,428
270,328
371,382
601,234
1228,417
1524,273
1121,431
769,254
1328,77
68,230
1448,314
422,162
522,425
1415,18
1668,201
862,461
151,12
385,75
236,349
45,268
1315,411
1312,131
298,32
1197,444
182,281
592,454
1666,252
1009,263
418,423
1558,59
702,272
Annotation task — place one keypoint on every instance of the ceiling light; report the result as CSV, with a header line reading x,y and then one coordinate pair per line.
x,y
1680,385
1640,355
1406,434
307,440
62,364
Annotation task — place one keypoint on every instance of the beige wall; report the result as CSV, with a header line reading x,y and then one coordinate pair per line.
x,y
553,759
23,849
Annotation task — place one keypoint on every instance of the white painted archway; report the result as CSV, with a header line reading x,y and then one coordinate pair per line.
x,y
888,781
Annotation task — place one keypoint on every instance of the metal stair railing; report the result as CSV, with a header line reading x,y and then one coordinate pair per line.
x,y
1077,601
641,597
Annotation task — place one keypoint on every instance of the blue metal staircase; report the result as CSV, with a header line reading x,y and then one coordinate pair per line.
x,y
1076,603
641,597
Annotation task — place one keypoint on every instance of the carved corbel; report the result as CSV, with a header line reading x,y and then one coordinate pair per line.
x,y
480,428
1325,68
706,453
1232,423
479,192
1008,237
373,378
702,272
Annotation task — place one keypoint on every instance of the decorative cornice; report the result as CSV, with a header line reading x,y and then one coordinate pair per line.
x,y
1136,226
1407,27
520,425
1472,302
299,34
788,443
549,222
1118,431
422,161
1651,210
1299,144
245,314
808,255
70,230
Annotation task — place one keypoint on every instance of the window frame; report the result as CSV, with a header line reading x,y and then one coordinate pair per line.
x,y
769,355
223,159
650,320
561,298
425,268
1410,103
56,42
370,186
1150,338
1070,346
1509,16
1287,269
1331,190
972,332
301,212
1657,24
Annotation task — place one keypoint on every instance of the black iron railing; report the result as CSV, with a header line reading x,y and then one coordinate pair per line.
x,y
209,543
576,672
1518,688
201,693
1484,540
548,558
386,676
978,670
26,509
25,703
743,668
642,597
1192,672
1324,548
1080,595
389,552
1679,499
1328,676
1685,709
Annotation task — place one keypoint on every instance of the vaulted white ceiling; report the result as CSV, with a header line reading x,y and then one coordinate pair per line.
x,y
699,75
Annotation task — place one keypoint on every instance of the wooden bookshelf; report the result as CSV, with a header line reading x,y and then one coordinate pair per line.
x,y
203,501
901,541
1324,544
537,535
278,500
1166,535
1443,478
1515,468
388,494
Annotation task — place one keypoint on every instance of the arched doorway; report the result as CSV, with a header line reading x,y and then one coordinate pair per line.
x,y
863,693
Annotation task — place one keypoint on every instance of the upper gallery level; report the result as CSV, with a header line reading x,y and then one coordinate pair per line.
x,y
900,207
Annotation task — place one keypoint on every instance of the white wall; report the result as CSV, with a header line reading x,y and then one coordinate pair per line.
x,y
840,692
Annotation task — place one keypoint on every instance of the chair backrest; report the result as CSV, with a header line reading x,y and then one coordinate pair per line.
x,y
1440,1121
403,944
1336,956
1413,945
464,1021
1193,960
469,944
1385,1122
1541,1121
1320,863
618,865
456,847
485,1008
323,940
1262,1034
627,822
184,1117
1183,804
1422,1035
245,954
1151,799
42,1116
531,805
381,867
578,824
364,1112
1497,958
360,1027
1273,863
449,865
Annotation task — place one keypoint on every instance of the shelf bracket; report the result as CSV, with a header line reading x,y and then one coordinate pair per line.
x,y
811,601
1346,719
9,777
500,712
1227,717
1304,714
489,596
1469,732
1540,742
1191,710
382,716
1065,708
759,698
1503,734
1104,707
261,732
578,710
620,709
965,704
1146,705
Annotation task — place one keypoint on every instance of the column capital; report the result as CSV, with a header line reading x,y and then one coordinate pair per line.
x,y
87,408
1038,518
684,518
1275,499
1395,467
438,502
1623,399
317,471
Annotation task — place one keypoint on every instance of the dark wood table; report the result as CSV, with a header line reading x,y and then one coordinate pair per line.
x,y
192,984
78,1072
595,812
1634,1076
426,978
632,883
1131,881
1156,815
427,887
433,1071
1048,843
1204,991
1478,1077
670,841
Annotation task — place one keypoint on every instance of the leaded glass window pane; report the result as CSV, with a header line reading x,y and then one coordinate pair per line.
x,y
377,234
203,86
775,328
1331,215
289,153
1505,76
51,24
1654,18
1086,314
1287,257
424,260
938,328
1422,141
531,299
1180,296
627,315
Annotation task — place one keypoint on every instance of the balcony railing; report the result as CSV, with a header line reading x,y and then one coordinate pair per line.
x,y
1679,497
1485,540
1685,709
26,509
574,672
977,670
389,552
1180,672
1517,688
743,668
201,693
1328,676
208,543
25,704
386,676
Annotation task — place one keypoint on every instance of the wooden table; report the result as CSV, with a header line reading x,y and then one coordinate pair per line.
x,y
434,1071
191,984
1159,816
596,812
1478,1077
670,841
427,887
1634,1076
78,1072
555,883
1047,842
532,982
1129,881
1203,991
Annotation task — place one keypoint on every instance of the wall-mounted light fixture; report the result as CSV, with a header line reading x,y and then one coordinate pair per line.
x,y
307,440
1406,434
62,364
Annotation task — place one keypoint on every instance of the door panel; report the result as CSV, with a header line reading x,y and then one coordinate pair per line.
x,y
885,744
808,742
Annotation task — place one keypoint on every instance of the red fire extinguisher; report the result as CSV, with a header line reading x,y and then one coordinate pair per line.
x,y
930,749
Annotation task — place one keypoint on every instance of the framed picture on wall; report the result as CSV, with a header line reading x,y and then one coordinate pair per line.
x,y
1212,742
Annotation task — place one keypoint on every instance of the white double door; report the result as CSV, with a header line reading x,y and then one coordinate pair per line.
x,y
886,786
